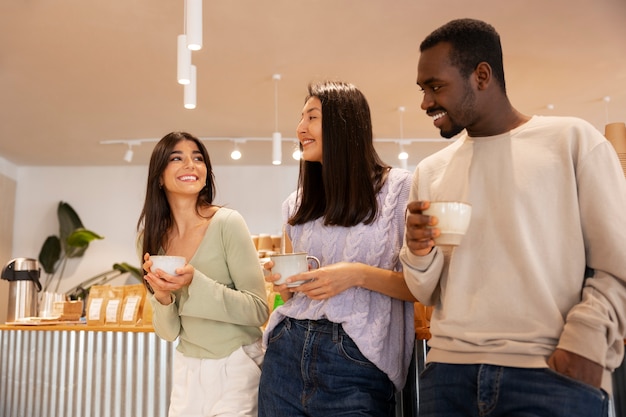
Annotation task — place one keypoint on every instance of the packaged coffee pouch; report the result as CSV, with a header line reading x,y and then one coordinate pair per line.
x,y
96,303
114,305
134,299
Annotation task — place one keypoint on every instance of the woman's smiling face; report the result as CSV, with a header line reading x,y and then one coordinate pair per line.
x,y
309,130
186,170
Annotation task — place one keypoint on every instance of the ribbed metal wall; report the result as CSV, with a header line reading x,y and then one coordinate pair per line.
x,y
84,373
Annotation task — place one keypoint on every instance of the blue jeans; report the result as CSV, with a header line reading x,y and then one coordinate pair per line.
x,y
313,368
490,391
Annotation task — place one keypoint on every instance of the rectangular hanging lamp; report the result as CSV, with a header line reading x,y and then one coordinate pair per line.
x,y
193,24
277,151
183,67
190,90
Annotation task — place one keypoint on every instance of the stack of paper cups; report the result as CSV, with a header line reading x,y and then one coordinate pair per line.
x,y
265,242
616,134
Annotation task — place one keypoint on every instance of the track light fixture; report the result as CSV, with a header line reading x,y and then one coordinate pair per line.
x,y
129,153
128,156
276,140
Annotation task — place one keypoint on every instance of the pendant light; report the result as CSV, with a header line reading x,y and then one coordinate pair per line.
x,y
297,154
183,69
277,151
403,156
190,90
193,24
236,153
276,136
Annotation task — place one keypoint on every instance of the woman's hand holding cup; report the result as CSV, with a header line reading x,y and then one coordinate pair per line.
x,y
273,278
166,274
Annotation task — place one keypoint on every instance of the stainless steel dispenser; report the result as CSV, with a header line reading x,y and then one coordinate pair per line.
x,y
23,276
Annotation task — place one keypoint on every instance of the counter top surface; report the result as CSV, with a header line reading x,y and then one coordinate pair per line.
x,y
78,327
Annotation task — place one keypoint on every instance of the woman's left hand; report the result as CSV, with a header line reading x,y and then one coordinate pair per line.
x,y
329,280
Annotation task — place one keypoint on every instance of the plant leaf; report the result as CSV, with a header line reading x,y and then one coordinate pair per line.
x,y
68,222
50,254
124,267
78,241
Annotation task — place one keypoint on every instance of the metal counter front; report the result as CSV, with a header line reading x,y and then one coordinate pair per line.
x,y
79,370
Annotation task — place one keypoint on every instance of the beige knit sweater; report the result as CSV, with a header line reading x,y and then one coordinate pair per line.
x,y
548,198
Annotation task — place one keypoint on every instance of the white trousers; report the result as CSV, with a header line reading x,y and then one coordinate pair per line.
x,y
217,387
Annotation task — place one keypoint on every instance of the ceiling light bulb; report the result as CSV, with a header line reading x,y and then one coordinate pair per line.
x,y
296,154
235,154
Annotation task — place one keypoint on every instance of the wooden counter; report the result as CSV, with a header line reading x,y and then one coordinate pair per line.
x,y
78,327
67,370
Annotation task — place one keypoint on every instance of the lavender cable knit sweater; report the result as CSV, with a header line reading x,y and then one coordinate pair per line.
x,y
381,326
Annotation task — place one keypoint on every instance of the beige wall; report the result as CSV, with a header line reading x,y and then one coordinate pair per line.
x,y
7,214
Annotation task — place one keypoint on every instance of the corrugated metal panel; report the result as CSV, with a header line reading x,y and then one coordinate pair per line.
x,y
84,373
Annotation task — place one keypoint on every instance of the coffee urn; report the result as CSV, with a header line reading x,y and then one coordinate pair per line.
x,y
23,276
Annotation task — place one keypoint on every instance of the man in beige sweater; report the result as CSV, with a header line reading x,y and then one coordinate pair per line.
x,y
530,308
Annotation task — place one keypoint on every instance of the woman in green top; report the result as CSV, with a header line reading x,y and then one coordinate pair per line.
x,y
217,302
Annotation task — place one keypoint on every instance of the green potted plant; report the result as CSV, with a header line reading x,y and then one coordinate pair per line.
x,y
72,242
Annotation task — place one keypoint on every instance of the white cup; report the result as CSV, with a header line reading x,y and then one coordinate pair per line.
x,y
290,264
454,218
46,307
168,264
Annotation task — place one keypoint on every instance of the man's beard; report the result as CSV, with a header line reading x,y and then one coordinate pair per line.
x,y
466,112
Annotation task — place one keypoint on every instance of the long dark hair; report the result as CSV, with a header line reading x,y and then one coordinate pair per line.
x,y
473,41
156,216
342,189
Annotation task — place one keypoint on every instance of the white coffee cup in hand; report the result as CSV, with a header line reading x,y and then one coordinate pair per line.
x,y
168,264
454,219
290,264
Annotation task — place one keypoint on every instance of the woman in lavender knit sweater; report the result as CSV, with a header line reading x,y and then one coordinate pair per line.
x,y
342,342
